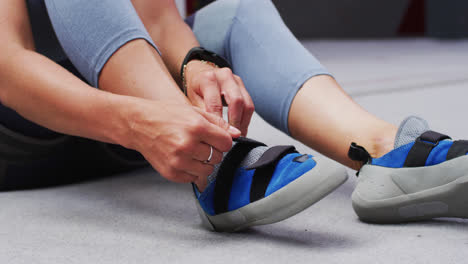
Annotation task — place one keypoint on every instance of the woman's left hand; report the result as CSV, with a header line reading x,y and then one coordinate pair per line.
x,y
211,88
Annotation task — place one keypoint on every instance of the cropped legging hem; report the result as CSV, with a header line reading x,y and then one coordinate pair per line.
x,y
90,32
291,94
112,47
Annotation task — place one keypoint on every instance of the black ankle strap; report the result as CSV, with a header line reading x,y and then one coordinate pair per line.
x,y
359,153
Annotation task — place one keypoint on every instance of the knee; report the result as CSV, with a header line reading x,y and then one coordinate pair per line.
x,y
152,12
259,7
255,8
255,3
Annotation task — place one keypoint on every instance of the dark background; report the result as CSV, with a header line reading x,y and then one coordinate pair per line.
x,y
370,18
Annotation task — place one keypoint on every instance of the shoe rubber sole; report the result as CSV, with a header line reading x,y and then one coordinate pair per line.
x,y
449,199
295,197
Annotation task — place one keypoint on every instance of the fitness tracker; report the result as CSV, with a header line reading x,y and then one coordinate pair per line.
x,y
199,53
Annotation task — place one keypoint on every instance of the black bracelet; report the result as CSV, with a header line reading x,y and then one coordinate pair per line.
x,y
199,53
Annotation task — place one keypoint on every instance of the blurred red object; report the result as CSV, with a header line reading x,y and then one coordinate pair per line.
x,y
413,21
193,5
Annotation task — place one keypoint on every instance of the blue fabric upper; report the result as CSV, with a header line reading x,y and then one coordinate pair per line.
x,y
396,158
287,170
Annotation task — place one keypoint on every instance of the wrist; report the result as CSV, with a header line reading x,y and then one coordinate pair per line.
x,y
203,55
194,68
124,110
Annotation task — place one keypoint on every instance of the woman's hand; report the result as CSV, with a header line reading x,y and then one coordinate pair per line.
x,y
208,87
176,139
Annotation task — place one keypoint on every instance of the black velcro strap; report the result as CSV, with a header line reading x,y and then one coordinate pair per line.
x,y
422,147
432,136
272,155
227,170
358,153
418,154
265,166
250,141
459,148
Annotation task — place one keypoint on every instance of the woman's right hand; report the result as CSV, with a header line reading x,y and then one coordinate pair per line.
x,y
176,138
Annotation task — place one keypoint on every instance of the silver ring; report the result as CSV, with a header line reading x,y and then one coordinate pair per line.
x,y
211,155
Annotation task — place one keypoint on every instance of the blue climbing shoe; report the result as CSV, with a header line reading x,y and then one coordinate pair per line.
x,y
256,185
425,176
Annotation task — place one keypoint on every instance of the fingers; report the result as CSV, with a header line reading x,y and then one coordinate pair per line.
x,y
183,168
218,138
181,176
197,100
212,86
232,96
201,183
218,123
211,93
196,168
193,171
203,151
249,108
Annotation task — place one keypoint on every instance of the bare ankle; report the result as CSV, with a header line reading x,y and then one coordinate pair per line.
x,y
383,142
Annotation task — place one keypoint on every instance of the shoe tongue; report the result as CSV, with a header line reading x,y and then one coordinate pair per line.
x,y
411,128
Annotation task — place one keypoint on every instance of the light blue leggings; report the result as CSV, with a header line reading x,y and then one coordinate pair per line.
x,y
272,63
249,33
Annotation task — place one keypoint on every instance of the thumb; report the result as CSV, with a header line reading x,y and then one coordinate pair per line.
x,y
220,122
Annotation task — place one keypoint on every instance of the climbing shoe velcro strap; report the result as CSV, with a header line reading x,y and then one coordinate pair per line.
x,y
358,153
432,136
459,148
271,156
227,170
422,147
264,169
248,141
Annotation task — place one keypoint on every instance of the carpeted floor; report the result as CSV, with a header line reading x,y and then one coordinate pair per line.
x,y
142,218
